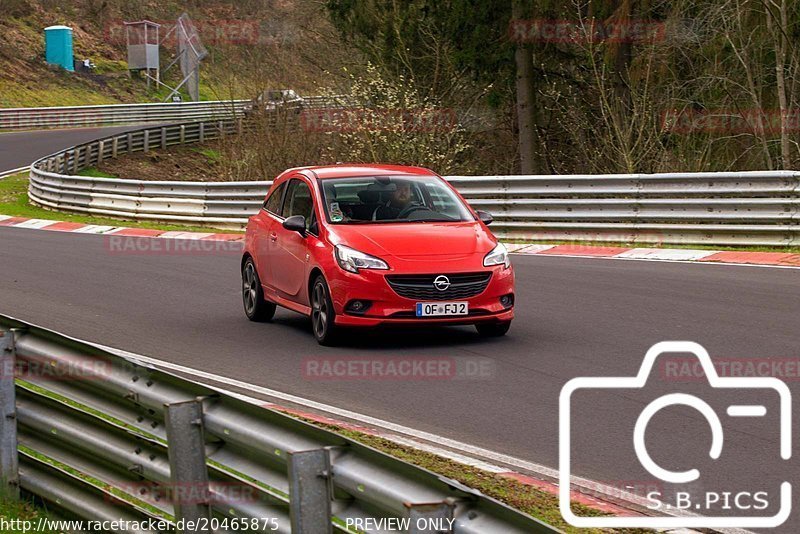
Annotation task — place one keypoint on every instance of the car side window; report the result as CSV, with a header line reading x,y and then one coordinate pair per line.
x,y
273,202
298,201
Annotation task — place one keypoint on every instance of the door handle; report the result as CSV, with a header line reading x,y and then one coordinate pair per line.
x,y
273,236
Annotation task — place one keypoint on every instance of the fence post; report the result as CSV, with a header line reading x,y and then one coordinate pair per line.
x,y
430,517
9,459
309,492
187,464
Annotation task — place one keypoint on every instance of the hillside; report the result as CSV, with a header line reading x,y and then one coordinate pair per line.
x,y
287,44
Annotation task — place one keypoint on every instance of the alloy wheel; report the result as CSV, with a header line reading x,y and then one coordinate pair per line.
x,y
319,311
249,289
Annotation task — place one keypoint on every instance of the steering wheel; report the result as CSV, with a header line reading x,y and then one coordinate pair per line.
x,y
408,210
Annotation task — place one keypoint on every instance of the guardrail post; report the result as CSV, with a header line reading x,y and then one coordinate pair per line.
x,y
163,138
130,142
101,147
431,517
146,140
309,492
187,464
75,157
9,459
114,147
183,134
202,133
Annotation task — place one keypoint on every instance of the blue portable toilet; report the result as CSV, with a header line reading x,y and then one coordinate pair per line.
x,y
58,46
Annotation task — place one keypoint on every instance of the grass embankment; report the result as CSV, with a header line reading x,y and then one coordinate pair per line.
x,y
14,202
27,81
191,163
11,510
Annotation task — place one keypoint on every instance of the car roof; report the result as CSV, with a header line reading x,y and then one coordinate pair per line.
x,y
351,170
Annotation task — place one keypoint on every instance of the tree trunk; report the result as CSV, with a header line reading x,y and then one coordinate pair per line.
x,y
780,66
525,100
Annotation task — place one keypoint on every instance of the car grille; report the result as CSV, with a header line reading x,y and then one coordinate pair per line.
x,y
420,287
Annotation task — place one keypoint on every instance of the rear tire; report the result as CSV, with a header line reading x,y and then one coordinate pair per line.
x,y
255,306
493,329
323,318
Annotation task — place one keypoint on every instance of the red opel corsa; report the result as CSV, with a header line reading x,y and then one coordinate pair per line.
x,y
363,245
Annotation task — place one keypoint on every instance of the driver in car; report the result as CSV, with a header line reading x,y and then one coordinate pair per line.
x,y
400,200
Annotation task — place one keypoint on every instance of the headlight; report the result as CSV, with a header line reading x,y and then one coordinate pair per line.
x,y
498,256
352,260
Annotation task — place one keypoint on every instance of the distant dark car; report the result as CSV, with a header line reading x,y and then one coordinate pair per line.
x,y
269,100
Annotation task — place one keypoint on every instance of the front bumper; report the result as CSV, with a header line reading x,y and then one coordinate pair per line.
x,y
387,307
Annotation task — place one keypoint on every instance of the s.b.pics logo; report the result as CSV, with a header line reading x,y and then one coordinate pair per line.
x,y
698,445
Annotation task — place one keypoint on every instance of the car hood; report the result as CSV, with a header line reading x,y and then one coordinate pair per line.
x,y
415,240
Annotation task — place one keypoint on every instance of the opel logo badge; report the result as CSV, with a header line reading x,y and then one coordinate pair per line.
x,y
441,282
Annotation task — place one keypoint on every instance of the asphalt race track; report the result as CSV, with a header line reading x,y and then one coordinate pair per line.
x,y
575,317
18,149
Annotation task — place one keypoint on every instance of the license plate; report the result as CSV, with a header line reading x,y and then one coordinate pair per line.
x,y
435,309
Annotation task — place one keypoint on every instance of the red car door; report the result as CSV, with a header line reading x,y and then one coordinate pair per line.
x,y
265,237
290,258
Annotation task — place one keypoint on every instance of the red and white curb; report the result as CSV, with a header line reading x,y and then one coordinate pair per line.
x,y
730,257
726,257
80,228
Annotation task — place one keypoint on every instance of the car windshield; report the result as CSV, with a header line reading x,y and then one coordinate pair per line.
x,y
390,199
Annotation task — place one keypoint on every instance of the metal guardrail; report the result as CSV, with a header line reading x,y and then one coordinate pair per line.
x,y
106,437
10,172
115,114
723,208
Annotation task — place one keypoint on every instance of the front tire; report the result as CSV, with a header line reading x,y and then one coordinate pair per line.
x,y
498,329
322,314
255,306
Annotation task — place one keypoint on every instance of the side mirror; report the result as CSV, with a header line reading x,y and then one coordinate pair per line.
x,y
296,223
485,217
